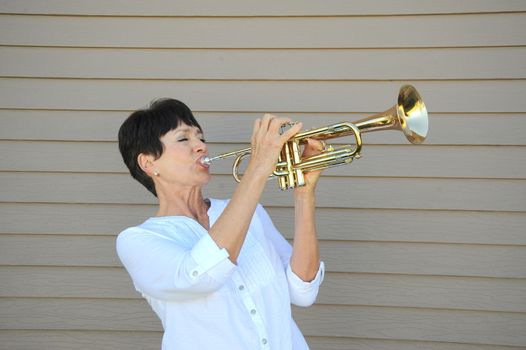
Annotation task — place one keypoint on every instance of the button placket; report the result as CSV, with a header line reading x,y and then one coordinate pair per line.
x,y
250,306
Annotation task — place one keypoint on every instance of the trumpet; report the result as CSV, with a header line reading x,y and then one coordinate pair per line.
x,y
408,115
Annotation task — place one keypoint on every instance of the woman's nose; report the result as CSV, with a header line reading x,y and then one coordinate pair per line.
x,y
200,146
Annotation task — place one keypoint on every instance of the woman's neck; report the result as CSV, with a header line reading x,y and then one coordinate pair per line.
x,y
188,203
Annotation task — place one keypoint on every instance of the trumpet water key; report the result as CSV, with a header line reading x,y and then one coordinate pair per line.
x,y
409,115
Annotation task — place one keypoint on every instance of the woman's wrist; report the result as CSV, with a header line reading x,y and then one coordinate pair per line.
x,y
304,198
255,178
304,191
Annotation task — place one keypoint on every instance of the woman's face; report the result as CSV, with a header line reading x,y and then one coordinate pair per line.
x,y
180,164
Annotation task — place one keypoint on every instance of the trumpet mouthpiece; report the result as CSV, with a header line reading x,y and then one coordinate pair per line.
x,y
206,160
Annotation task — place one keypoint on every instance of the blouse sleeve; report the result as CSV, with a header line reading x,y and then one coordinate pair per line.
x,y
164,270
302,293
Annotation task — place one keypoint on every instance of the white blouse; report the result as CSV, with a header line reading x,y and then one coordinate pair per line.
x,y
204,300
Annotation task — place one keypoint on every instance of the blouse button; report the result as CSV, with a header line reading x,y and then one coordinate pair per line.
x,y
195,273
241,287
253,311
264,341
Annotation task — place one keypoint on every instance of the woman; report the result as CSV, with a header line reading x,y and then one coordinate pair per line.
x,y
216,272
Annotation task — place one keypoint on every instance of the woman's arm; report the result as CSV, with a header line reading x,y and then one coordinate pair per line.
x,y
305,260
160,267
230,229
302,293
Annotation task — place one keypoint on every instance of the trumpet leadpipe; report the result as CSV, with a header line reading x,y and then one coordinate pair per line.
x,y
209,160
206,160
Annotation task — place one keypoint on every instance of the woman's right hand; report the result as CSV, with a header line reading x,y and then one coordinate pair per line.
x,y
267,143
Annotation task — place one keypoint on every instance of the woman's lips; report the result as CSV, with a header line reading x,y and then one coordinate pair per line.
x,y
202,163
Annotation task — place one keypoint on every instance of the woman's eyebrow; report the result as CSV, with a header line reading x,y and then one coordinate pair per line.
x,y
189,129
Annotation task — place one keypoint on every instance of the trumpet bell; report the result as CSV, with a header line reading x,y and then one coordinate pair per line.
x,y
409,115
412,114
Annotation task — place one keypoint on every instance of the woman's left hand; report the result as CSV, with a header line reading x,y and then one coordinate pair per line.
x,y
312,147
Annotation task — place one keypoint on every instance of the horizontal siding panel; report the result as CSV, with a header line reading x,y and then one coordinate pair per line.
x,y
79,340
445,129
426,259
66,282
291,32
117,340
333,224
380,64
55,219
255,8
393,161
340,343
58,251
320,320
462,293
291,96
483,294
411,225
357,257
386,193
62,125
415,324
75,314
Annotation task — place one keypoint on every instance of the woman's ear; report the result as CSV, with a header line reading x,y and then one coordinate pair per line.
x,y
145,162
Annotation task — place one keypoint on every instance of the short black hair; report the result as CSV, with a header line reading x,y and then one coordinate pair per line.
x,y
142,130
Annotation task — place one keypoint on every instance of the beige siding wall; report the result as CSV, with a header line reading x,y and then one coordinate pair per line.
x,y
425,245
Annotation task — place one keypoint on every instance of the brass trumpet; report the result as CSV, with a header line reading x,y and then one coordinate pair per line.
x,y
409,115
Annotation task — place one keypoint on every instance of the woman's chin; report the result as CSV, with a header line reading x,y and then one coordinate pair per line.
x,y
204,179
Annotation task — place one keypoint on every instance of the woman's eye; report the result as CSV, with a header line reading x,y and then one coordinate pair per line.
x,y
183,139
203,140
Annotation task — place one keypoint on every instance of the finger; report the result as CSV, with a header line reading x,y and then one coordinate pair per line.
x,y
294,129
255,129
310,147
277,124
266,120
316,145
